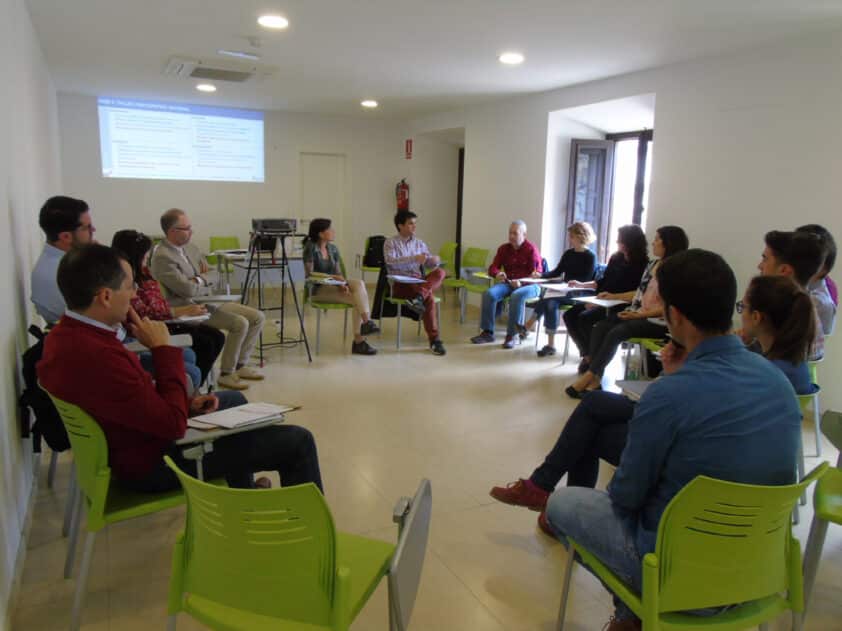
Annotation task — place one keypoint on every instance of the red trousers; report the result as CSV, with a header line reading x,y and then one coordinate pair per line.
x,y
426,290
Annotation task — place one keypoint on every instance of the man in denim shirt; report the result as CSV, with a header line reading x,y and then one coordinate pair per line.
x,y
720,411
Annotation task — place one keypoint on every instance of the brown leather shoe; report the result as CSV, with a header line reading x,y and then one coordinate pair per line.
x,y
521,493
622,625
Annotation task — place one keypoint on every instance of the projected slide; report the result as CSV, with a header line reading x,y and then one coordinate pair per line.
x,y
171,141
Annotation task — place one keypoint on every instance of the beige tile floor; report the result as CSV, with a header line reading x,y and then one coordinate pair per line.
x,y
478,417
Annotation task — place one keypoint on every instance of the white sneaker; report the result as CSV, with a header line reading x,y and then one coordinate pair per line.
x,y
246,372
232,382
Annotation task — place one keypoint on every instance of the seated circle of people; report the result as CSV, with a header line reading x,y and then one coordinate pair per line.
x,y
798,255
633,321
578,263
85,364
622,274
515,260
322,259
66,223
718,410
181,269
149,302
818,286
407,255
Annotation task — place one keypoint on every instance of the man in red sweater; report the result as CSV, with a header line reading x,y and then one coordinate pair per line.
x,y
517,259
85,364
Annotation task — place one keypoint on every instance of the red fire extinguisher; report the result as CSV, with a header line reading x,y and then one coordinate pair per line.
x,y
402,195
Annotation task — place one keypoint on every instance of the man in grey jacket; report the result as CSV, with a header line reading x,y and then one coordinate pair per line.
x,y
180,268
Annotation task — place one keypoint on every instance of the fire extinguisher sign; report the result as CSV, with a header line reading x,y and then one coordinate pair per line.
x,y
409,148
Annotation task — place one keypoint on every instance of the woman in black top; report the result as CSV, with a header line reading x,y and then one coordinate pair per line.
x,y
622,274
578,263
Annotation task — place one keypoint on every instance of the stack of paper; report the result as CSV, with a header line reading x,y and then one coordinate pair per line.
x,y
240,415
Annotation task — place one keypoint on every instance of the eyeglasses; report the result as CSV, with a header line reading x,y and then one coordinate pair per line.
x,y
86,228
183,229
740,306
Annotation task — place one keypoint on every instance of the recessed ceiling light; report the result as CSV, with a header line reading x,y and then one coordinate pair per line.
x,y
206,87
511,58
369,103
238,53
273,21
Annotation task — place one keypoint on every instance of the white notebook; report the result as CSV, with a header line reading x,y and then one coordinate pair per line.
x,y
239,415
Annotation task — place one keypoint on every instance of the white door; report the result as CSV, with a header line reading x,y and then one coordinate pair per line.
x,y
322,192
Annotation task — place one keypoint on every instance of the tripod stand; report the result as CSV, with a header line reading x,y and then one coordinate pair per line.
x,y
257,262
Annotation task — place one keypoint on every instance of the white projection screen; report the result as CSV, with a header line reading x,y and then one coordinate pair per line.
x,y
173,141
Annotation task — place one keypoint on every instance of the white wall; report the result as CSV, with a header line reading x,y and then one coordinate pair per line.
x,y
433,176
29,173
743,144
560,131
374,151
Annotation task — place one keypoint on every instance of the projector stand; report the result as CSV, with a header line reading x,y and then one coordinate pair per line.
x,y
258,262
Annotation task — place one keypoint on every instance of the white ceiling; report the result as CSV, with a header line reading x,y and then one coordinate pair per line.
x,y
633,113
415,57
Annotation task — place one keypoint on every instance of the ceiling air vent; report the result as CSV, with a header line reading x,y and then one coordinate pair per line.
x,y
213,69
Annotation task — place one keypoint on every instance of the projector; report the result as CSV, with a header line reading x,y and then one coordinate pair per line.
x,y
274,226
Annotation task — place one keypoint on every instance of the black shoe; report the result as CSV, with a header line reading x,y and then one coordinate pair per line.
x,y
583,366
369,328
573,393
437,348
547,351
483,338
522,332
416,305
362,348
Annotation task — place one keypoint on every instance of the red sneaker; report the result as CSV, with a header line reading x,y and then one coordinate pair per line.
x,y
544,525
521,493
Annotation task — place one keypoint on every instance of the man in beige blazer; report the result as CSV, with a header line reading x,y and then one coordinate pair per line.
x,y
180,268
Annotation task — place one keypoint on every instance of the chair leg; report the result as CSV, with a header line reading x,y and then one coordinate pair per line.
x,y
73,536
566,347
318,329
537,331
803,499
345,327
463,299
812,555
70,504
51,472
171,622
399,328
565,588
82,582
817,422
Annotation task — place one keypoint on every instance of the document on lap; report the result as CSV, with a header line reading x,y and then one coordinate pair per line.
x,y
562,289
410,280
220,298
601,302
239,415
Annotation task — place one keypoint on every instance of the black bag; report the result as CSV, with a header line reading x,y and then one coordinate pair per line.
x,y
48,424
380,308
373,256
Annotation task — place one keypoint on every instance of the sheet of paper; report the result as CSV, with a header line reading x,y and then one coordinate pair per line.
x,y
239,415
220,298
327,281
601,302
410,280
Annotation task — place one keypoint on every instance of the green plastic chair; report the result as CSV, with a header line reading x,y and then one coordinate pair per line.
x,y
272,559
325,307
104,503
651,344
447,254
827,502
472,258
400,303
366,268
719,543
222,243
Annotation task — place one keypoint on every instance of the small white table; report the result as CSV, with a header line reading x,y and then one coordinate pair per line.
x,y
182,340
199,442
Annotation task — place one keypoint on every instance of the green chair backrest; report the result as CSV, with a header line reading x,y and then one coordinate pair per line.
x,y
447,254
474,257
832,428
90,457
271,552
223,243
721,543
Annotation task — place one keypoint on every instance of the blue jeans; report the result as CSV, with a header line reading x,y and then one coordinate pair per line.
x,y
589,518
190,367
548,308
517,301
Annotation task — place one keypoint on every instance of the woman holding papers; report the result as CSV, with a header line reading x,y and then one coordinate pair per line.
x,y
149,302
323,267
634,320
621,274
578,264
